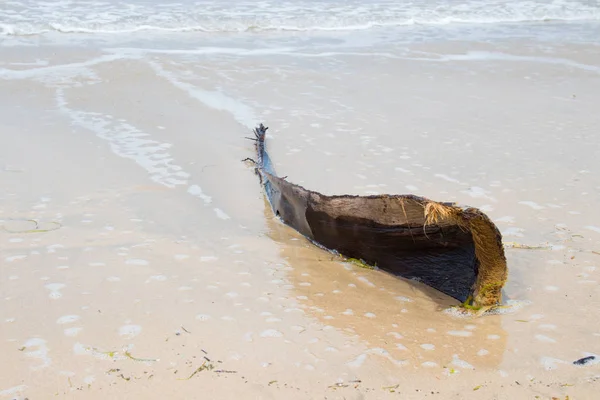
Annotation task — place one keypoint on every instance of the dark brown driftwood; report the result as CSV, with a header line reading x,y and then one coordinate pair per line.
x,y
454,249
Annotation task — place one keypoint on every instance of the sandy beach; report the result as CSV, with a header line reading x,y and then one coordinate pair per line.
x,y
139,258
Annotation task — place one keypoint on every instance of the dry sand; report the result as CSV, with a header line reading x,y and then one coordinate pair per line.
x,y
169,277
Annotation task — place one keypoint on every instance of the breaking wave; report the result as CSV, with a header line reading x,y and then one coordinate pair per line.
x,y
68,17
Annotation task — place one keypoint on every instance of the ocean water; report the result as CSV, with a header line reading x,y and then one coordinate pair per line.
x,y
207,20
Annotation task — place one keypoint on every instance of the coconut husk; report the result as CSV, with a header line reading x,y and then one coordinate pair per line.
x,y
452,248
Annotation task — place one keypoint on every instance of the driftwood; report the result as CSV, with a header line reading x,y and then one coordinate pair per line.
x,y
454,249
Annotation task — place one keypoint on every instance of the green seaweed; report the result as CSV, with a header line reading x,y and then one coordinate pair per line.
x,y
114,353
124,377
468,304
514,245
128,355
360,263
201,368
392,389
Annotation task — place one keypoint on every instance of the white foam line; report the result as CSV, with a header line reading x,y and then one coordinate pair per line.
x,y
289,51
593,228
236,51
211,98
447,178
128,142
69,69
12,391
486,56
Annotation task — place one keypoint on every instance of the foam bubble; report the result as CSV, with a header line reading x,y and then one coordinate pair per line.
x,y
72,332
196,191
55,290
271,333
365,280
358,361
221,214
15,258
67,319
550,363
456,361
130,331
429,364
41,352
460,333
136,261
544,339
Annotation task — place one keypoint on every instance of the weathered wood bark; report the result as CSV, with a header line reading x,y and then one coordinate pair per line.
x,y
454,249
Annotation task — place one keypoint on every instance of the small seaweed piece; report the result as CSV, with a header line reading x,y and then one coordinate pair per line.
x,y
201,368
360,263
477,387
392,389
36,229
128,355
124,378
337,385
272,382
514,245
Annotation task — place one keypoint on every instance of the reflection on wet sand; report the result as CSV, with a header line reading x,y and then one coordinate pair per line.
x,y
399,320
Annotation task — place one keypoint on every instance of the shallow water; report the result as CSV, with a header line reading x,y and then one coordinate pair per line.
x,y
156,242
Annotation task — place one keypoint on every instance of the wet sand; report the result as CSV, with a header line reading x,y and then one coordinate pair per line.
x,y
169,275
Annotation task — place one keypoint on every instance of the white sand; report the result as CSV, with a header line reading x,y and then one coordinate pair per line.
x,y
168,258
